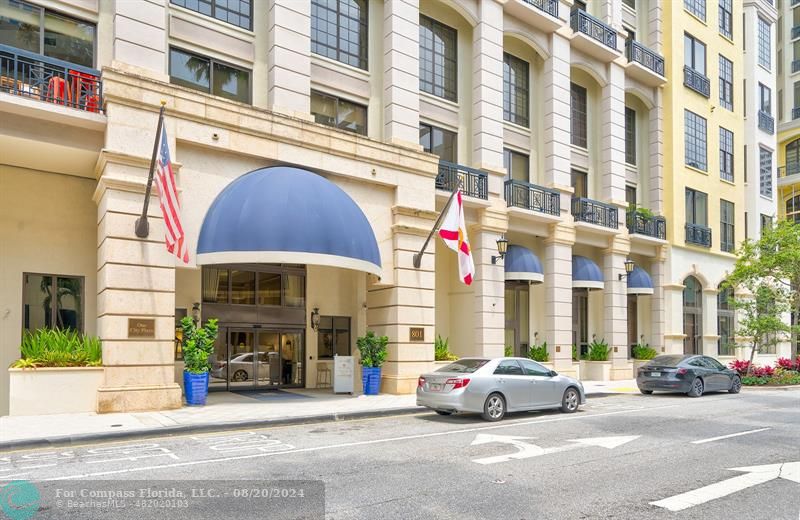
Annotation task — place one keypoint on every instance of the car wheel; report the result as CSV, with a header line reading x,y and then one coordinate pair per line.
x,y
440,412
736,385
494,408
645,392
570,401
697,388
239,376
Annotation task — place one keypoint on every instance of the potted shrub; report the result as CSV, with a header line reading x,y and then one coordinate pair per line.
x,y
540,354
373,353
596,366
441,351
642,353
198,345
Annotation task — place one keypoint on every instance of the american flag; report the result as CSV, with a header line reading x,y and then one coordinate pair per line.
x,y
170,205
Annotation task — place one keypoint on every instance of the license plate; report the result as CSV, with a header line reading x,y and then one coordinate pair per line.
x,y
436,387
655,374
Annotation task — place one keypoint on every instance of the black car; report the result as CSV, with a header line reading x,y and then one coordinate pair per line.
x,y
689,374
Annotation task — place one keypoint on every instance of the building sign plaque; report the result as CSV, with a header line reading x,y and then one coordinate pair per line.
x,y
141,328
416,334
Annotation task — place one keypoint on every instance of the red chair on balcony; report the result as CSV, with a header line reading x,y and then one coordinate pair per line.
x,y
58,91
84,87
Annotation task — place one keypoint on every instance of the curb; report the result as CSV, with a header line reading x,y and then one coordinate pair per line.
x,y
768,387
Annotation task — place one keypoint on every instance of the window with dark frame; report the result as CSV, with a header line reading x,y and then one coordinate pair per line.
x,y
630,135
694,53
726,18
765,171
516,105
579,120
696,7
630,3
764,48
766,222
792,209
725,323
725,82
727,239
339,113
438,141
438,59
696,207
580,183
725,154
208,75
516,164
765,98
333,337
695,132
235,12
52,301
630,196
279,286
339,31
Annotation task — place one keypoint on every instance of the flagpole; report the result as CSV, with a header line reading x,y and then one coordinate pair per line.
x,y
418,256
142,228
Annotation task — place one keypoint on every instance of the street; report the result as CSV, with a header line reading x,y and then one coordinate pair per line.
x,y
620,456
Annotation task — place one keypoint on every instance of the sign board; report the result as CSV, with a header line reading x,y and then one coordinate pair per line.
x,y
343,374
416,334
144,328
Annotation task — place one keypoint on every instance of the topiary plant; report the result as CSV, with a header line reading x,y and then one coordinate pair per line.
x,y
373,349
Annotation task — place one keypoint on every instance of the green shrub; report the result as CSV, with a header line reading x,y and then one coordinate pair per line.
x,y
574,353
441,350
598,350
539,353
198,345
508,351
373,349
643,351
58,348
754,381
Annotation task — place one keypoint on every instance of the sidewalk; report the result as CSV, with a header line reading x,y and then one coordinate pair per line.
x,y
224,410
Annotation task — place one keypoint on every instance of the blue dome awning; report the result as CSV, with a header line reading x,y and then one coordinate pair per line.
x,y
639,282
284,214
521,263
585,273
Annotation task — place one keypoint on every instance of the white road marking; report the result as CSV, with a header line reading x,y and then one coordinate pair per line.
x,y
755,475
712,439
528,450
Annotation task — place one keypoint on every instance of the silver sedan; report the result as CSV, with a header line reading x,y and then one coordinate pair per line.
x,y
493,387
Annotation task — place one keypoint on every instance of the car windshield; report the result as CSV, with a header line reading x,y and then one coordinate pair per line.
x,y
466,366
667,361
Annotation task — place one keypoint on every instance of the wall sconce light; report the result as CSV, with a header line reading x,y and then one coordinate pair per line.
x,y
502,248
196,312
629,265
315,318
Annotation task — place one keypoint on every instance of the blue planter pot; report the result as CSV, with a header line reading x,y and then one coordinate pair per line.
x,y
195,386
371,379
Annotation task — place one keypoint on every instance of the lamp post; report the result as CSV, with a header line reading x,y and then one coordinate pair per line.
x,y
502,249
629,265
196,313
315,318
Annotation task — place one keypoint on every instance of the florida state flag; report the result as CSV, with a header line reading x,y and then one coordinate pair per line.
x,y
454,234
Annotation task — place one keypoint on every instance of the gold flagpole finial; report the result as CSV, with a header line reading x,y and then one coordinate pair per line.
x,y
163,102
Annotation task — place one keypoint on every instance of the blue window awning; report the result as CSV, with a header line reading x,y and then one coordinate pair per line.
x,y
585,273
639,282
287,215
521,263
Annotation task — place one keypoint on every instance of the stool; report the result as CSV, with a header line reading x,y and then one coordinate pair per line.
x,y
58,91
323,376
85,88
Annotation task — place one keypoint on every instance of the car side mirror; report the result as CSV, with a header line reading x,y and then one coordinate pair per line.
x,y
553,373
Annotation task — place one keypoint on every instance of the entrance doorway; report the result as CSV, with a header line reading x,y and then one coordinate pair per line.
x,y
517,314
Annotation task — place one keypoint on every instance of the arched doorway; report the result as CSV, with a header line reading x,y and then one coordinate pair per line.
x,y
692,316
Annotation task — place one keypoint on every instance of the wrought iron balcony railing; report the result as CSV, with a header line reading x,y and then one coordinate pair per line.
x,y
525,195
795,113
595,212
637,52
548,6
696,81
639,224
698,235
27,74
583,22
474,183
766,122
789,170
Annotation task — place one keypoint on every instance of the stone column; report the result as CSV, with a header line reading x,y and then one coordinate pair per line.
x,y
558,297
289,57
140,37
657,302
488,285
487,88
612,144
673,318
615,313
401,72
655,26
656,148
557,149
710,322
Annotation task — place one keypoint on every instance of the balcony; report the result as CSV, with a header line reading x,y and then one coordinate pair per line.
x,y
593,36
696,81
520,194
788,174
766,122
31,75
644,64
795,32
795,66
651,226
698,235
595,212
541,14
474,183
795,113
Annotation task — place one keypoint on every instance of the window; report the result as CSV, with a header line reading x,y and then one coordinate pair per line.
x,y
766,222
437,59
694,54
765,98
339,30
579,117
726,18
208,75
516,164
696,207
515,90
239,13
764,48
509,367
725,154
692,316
630,3
695,140
35,29
630,135
727,226
725,82
745,163
339,113
333,337
438,142
793,157
275,287
793,209
579,183
696,7
796,103
533,368
765,171
580,320
51,301
630,196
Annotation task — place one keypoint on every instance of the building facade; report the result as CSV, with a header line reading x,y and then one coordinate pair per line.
x,y
562,122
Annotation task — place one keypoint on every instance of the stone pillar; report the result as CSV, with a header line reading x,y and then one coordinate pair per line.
x,y
488,285
558,297
657,302
140,37
487,87
557,149
673,318
655,200
615,312
710,322
655,27
612,144
289,57
401,72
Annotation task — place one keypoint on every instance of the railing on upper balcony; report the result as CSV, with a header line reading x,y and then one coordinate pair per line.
x,y
474,183
696,81
795,113
766,122
548,6
637,52
651,226
595,212
24,73
583,22
698,235
789,170
521,194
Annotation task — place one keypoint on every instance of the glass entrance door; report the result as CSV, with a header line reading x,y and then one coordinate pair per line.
x,y
241,358
269,359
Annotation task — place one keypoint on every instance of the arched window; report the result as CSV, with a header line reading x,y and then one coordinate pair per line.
x,y
793,208
692,316
793,157
725,324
